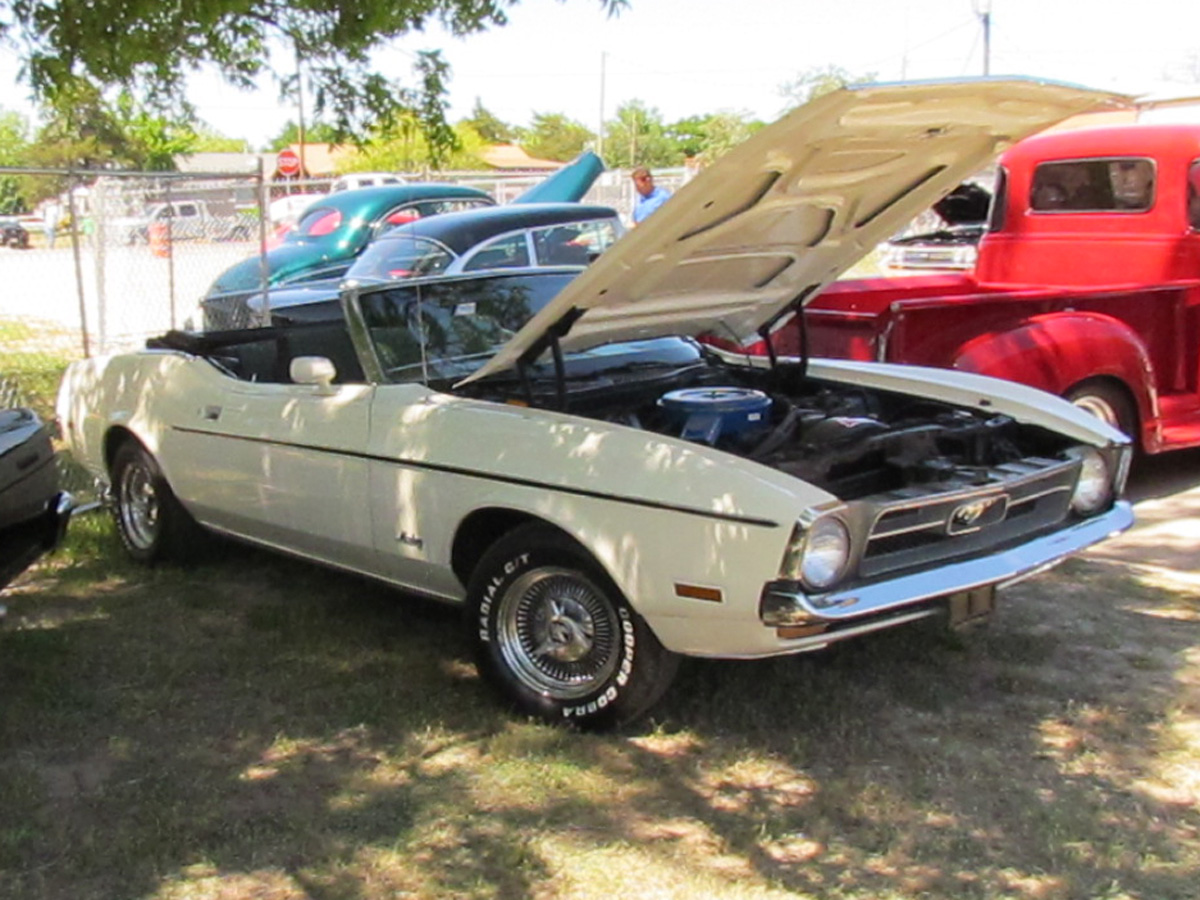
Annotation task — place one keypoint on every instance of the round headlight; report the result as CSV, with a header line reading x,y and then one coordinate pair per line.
x,y
826,552
1094,487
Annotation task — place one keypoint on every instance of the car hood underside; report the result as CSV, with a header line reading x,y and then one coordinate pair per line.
x,y
790,209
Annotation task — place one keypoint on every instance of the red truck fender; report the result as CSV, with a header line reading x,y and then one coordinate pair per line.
x,y
1070,354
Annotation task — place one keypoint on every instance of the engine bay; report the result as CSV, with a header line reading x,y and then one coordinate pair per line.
x,y
852,441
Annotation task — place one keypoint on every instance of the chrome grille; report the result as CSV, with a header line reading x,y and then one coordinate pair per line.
x,y
924,524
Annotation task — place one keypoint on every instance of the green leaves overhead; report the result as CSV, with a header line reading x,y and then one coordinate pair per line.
x,y
149,46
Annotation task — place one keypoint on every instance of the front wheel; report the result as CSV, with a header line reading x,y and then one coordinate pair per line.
x,y
557,638
152,523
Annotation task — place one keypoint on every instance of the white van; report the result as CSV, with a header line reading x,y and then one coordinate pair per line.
x,y
352,180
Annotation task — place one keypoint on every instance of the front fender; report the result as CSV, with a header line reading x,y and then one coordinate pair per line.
x,y
1056,351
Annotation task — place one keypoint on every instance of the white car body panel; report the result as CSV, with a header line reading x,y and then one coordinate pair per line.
x,y
378,479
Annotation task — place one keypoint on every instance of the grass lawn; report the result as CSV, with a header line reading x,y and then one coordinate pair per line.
x,y
256,727
33,356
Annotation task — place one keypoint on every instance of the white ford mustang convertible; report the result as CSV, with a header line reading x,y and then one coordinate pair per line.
x,y
603,493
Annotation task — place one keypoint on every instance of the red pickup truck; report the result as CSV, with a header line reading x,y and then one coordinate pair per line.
x,y
1087,285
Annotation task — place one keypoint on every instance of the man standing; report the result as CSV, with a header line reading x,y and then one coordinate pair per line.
x,y
50,216
649,197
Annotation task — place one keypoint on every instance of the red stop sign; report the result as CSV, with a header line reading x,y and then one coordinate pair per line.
x,y
287,163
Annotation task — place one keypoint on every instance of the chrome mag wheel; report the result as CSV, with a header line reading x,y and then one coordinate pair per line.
x,y
138,505
558,633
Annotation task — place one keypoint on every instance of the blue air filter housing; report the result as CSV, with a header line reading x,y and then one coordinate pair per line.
x,y
708,414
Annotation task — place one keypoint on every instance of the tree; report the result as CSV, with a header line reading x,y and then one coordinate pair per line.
x,y
209,140
554,136
148,48
404,148
151,142
817,81
83,130
707,137
637,137
14,143
316,133
490,127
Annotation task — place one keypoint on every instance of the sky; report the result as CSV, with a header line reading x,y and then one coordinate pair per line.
x,y
692,57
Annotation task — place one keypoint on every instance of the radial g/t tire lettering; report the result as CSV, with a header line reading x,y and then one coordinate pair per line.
x,y
555,636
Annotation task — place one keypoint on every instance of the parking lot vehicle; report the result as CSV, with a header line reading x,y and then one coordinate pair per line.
x,y
491,237
1087,285
602,494
335,229
352,181
13,234
963,216
184,220
34,512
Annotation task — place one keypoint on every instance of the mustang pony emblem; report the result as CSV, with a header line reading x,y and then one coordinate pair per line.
x,y
976,514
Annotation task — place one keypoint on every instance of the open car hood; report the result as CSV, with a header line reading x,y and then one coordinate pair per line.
x,y
789,210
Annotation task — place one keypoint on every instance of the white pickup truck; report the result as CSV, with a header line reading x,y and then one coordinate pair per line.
x,y
187,220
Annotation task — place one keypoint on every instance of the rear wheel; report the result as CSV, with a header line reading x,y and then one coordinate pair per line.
x,y
152,523
557,638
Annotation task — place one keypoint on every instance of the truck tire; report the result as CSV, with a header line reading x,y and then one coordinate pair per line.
x,y
152,523
1108,403
555,636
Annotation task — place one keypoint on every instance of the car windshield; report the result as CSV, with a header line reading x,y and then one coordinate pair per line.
x,y
437,331
400,257
444,331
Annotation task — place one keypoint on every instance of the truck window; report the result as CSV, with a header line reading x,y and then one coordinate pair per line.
x,y
1193,196
1119,184
999,201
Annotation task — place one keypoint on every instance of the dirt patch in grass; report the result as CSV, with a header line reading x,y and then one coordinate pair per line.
x,y
259,728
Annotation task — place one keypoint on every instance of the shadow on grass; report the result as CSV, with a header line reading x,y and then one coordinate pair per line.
x,y
259,727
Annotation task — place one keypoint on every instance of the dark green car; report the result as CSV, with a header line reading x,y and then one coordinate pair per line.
x,y
335,229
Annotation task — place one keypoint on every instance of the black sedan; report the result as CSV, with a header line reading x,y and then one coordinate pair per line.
x,y
476,240
13,234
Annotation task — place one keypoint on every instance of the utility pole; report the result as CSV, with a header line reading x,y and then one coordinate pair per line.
x,y
600,130
300,113
985,17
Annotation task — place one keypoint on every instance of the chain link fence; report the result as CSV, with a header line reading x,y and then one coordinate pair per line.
x,y
109,260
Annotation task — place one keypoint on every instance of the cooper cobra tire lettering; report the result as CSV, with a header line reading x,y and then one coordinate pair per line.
x,y
555,635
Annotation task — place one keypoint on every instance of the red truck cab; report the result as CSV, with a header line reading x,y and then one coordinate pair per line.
x,y
1087,285
1096,207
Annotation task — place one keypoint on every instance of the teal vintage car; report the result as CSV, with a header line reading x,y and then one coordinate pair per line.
x,y
335,229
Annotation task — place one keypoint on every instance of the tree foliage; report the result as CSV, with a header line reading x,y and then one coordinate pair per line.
x,y
638,137
83,130
489,126
149,46
14,143
705,138
816,81
209,140
314,133
404,147
555,136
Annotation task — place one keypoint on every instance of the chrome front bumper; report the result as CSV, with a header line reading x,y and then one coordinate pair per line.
x,y
884,603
